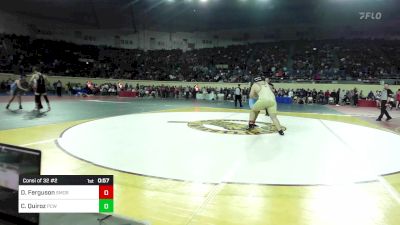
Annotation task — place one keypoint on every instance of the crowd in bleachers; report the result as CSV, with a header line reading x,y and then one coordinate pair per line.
x,y
298,96
304,60
151,91
351,59
370,60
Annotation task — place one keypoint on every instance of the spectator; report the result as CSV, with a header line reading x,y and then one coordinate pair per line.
x,y
397,99
59,88
355,97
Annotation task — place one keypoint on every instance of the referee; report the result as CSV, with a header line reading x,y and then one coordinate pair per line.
x,y
384,102
238,96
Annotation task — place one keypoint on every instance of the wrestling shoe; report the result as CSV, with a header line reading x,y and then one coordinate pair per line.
x,y
251,127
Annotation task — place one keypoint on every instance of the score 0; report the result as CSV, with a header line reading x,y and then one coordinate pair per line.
x,y
106,196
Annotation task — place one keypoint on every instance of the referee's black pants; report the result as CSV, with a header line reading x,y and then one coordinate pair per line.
x,y
383,110
38,100
238,98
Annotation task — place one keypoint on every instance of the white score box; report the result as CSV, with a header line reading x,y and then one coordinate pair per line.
x,y
58,206
58,192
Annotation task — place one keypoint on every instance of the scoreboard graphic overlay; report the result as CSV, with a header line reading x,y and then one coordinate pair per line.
x,y
66,194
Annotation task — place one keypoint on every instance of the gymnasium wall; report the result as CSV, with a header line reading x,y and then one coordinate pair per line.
x,y
364,87
121,38
151,40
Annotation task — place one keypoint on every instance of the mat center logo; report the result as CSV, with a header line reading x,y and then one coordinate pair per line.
x,y
238,127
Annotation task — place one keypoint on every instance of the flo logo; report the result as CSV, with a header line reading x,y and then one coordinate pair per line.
x,y
238,127
370,15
